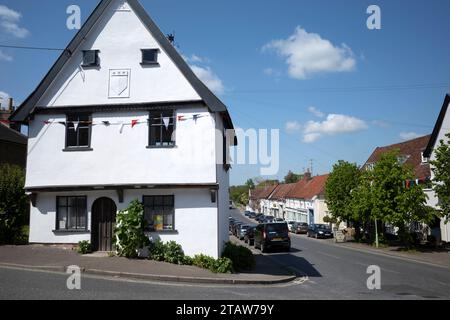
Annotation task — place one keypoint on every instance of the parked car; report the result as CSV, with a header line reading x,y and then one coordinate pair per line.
x,y
301,227
246,213
268,219
232,221
291,225
241,230
252,215
250,236
231,204
278,220
319,231
259,217
272,235
236,227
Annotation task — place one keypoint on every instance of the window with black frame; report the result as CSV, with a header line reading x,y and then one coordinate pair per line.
x,y
71,213
161,128
78,131
159,213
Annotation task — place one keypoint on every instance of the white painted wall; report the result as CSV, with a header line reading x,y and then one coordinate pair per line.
x,y
120,36
122,158
432,198
195,218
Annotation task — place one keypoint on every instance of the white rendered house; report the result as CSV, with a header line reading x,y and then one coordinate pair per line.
x,y
441,128
121,116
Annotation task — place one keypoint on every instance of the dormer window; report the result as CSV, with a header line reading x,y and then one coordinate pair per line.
x,y
90,58
149,56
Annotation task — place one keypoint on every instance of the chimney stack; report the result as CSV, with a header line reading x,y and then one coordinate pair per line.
x,y
307,175
10,104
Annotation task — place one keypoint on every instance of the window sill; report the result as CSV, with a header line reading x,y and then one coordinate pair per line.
x,y
153,64
90,66
162,232
75,149
162,147
71,231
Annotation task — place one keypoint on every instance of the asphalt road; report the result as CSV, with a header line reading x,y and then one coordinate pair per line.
x,y
331,273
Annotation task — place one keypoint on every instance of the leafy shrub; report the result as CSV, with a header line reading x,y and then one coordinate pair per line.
x,y
13,203
21,237
173,253
222,265
188,261
241,257
156,250
84,247
129,230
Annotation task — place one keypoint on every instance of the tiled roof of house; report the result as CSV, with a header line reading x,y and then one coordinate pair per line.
x,y
281,191
308,188
411,150
262,192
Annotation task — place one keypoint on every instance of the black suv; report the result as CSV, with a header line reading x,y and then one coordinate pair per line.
x,y
272,235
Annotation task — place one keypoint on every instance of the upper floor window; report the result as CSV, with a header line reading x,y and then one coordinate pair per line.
x,y
370,166
161,128
78,131
402,158
90,58
71,213
149,56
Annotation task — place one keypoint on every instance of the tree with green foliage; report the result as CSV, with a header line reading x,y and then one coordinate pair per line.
x,y
361,203
250,184
292,177
441,180
342,180
13,204
393,201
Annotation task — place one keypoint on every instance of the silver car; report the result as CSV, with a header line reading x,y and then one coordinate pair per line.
x,y
241,231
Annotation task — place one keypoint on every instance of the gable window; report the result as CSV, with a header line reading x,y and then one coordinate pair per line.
x,y
149,56
161,129
90,58
78,131
71,213
159,213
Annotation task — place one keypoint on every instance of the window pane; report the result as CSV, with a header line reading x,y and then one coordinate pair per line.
x,y
71,136
168,201
72,222
62,201
149,55
61,219
83,137
158,201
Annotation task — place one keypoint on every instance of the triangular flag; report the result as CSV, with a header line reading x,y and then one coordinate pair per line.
x,y
121,127
133,123
181,118
195,117
75,125
47,122
106,123
166,121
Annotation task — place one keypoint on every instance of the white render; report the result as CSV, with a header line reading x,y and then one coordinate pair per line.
x,y
120,36
432,198
191,171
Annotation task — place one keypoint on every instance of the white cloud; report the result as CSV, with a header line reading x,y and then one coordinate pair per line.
x,y
308,54
409,135
271,72
311,137
9,20
334,124
316,112
292,126
5,57
209,78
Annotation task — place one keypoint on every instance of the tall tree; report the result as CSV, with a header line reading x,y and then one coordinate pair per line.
x,y
393,199
342,180
441,180
250,184
13,203
291,177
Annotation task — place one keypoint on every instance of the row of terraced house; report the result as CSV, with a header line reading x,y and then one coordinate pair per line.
x,y
304,201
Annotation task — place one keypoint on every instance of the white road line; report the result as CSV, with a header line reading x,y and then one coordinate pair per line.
x,y
329,255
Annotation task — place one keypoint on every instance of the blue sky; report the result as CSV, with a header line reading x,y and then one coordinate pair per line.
x,y
271,61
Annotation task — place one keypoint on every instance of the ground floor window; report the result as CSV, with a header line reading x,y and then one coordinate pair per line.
x,y
159,212
71,213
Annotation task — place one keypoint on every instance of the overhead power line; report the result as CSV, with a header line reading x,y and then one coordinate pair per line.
x,y
30,48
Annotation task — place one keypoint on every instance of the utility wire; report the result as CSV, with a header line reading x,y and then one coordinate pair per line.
x,y
30,48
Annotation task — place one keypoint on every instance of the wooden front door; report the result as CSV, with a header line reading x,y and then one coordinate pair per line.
x,y
103,220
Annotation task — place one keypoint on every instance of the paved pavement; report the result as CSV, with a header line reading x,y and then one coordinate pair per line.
x,y
332,272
